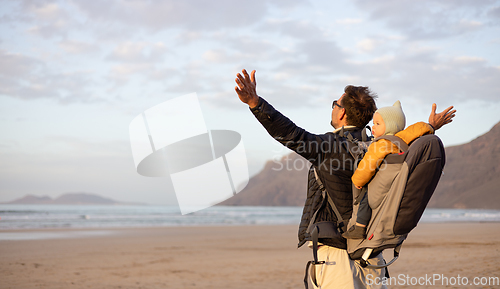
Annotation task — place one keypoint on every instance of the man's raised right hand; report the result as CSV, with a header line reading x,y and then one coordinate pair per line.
x,y
246,88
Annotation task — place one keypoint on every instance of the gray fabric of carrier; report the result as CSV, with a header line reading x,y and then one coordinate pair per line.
x,y
398,195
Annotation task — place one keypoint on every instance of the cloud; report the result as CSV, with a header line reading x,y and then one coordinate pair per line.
x,y
28,78
78,47
406,71
349,21
215,55
466,60
429,19
192,15
367,44
138,52
494,13
426,76
194,77
118,19
48,19
299,29
15,64
321,55
203,44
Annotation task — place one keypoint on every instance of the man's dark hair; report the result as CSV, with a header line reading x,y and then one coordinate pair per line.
x,y
359,104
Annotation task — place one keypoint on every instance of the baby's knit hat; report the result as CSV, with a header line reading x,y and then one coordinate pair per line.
x,y
394,118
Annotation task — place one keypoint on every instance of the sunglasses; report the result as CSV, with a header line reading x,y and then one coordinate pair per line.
x,y
335,103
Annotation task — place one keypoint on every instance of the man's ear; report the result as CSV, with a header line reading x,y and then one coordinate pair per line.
x,y
342,114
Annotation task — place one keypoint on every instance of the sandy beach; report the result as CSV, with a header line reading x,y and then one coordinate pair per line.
x,y
225,257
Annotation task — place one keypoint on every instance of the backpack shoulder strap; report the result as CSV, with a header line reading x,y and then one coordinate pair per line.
x,y
356,148
340,221
351,145
400,143
364,136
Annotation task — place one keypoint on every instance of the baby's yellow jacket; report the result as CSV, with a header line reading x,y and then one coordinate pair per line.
x,y
381,148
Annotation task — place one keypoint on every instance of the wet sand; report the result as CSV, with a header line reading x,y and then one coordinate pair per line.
x,y
223,257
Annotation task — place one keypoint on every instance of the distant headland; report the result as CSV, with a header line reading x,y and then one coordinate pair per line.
x,y
68,199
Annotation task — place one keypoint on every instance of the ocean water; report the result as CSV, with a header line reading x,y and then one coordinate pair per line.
x,y
18,217
69,216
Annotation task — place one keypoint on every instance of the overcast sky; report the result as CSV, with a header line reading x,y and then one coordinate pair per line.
x,y
73,74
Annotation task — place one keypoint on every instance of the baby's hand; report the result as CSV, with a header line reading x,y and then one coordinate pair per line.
x,y
359,187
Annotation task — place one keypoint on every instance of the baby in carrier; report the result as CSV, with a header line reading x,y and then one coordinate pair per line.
x,y
386,121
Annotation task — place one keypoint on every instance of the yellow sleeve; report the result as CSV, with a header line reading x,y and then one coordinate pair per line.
x,y
373,157
415,131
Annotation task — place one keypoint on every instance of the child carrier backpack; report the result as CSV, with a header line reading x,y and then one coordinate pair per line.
x,y
398,195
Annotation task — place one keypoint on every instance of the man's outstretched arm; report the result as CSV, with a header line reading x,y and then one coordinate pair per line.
x,y
437,120
280,127
247,88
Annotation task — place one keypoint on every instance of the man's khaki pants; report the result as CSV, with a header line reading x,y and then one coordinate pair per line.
x,y
340,272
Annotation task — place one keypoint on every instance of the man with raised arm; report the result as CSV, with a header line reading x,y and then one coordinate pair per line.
x,y
335,166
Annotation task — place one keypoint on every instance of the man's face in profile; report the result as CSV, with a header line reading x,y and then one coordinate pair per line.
x,y
336,110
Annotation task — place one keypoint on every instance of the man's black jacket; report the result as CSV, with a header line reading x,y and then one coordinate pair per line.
x,y
328,153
